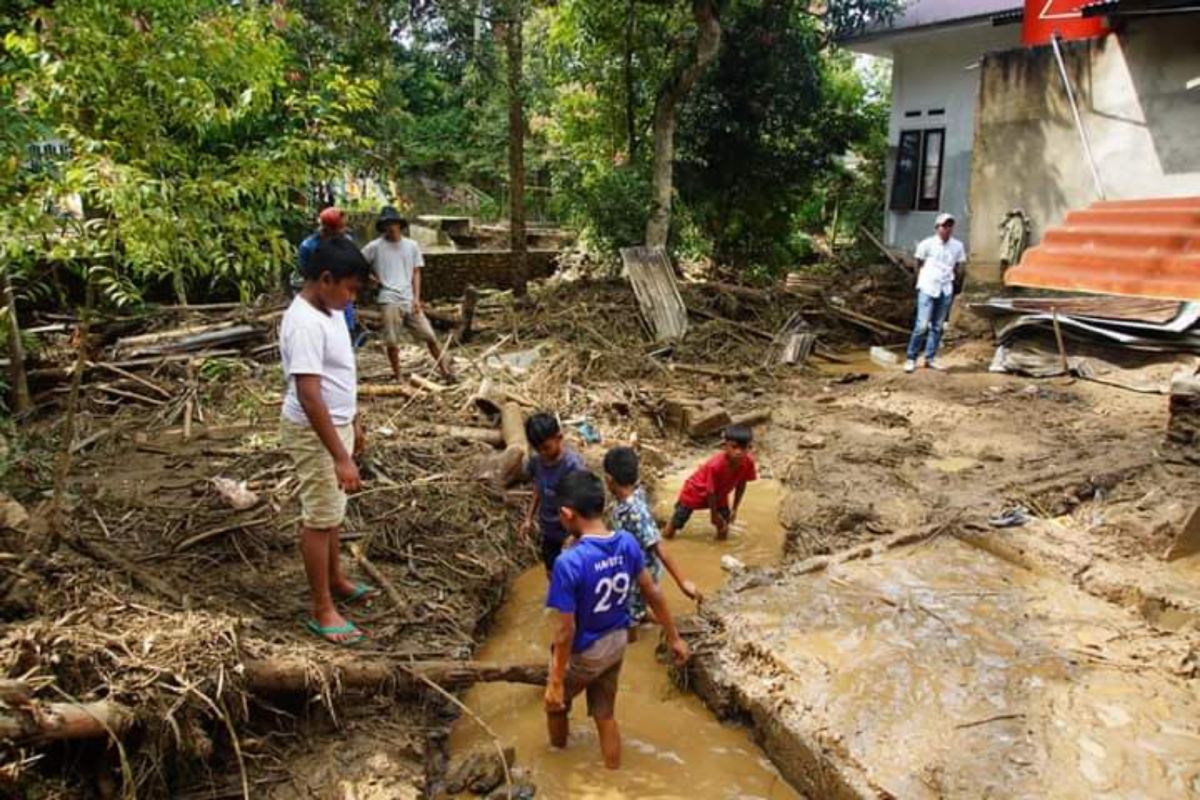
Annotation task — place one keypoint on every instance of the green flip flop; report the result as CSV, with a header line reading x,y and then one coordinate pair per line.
x,y
361,594
325,632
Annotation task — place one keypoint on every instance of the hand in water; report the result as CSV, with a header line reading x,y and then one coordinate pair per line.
x,y
679,654
690,591
554,698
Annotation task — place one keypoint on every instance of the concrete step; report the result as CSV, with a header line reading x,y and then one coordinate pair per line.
x,y
1136,248
1130,237
1152,202
1164,217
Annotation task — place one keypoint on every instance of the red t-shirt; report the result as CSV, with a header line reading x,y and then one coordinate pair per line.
x,y
715,476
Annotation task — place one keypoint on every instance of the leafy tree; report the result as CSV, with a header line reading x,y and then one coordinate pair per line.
x,y
766,126
191,132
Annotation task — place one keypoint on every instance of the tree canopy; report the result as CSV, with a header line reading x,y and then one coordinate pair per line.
x,y
193,132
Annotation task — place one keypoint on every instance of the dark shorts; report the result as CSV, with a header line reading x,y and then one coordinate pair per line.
x,y
596,672
683,514
551,548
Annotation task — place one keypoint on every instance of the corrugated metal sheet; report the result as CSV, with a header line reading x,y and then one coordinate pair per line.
x,y
1134,248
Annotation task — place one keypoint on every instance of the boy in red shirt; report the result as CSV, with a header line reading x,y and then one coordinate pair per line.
x,y
709,486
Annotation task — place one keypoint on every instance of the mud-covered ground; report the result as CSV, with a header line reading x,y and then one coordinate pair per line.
x,y
177,592
1065,648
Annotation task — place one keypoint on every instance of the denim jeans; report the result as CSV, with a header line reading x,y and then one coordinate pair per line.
x,y
931,319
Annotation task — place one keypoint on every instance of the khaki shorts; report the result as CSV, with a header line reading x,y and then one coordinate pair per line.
x,y
322,502
396,318
596,671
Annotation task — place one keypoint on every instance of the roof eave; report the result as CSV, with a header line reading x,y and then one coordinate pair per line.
x,y
882,35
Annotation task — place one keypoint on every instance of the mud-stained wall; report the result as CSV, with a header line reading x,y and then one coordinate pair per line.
x,y
1142,120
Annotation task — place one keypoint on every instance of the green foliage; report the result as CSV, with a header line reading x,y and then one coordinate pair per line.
x,y
763,132
766,128
191,131
607,205
196,129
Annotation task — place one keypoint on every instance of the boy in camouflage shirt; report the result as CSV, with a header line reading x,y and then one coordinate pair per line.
x,y
632,514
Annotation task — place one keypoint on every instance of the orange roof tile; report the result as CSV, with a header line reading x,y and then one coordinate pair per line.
x,y
1135,248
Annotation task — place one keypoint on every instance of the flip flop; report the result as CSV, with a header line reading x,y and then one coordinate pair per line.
x,y
362,593
333,630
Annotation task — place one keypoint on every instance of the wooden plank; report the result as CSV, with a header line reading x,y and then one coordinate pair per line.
x,y
653,281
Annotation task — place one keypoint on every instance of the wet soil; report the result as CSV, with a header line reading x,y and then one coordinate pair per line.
x,y
1065,650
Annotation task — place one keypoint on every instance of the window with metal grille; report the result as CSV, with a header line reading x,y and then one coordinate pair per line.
x,y
917,179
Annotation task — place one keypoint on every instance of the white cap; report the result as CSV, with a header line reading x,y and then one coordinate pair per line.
x,y
943,218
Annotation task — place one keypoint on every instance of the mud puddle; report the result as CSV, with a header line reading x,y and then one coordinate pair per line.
x,y
674,748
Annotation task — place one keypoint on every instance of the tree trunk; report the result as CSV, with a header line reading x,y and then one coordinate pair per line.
x,y
299,675
516,148
630,89
25,719
19,383
42,722
666,107
179,285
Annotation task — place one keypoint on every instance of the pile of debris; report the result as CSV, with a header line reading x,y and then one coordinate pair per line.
x,y
1101,337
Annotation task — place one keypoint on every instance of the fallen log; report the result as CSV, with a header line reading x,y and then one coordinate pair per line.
x,y
505,468
759,332
713,372
373,572
389,390
877,326
30,720
466,314
707,422
36,721
491,436
291,675
752,418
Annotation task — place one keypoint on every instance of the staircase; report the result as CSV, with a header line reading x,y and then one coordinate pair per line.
x,y
1136,248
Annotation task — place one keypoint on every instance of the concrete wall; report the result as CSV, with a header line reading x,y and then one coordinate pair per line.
x,y
1143,122
447,273
931,70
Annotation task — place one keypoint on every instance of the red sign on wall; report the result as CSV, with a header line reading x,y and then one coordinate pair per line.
x,y
1044,18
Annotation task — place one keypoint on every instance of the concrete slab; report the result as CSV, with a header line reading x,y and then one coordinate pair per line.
x,y
939,670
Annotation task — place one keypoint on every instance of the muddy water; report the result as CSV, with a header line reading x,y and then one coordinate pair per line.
x,y
674,749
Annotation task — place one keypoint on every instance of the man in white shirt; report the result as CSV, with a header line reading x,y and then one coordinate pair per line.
x,y
396,263
940,259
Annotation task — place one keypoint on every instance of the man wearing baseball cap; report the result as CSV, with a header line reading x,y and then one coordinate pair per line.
x,y
940,259
331,222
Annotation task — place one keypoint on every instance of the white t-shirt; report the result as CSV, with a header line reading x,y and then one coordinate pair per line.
x,y
394,264
312,342
936,277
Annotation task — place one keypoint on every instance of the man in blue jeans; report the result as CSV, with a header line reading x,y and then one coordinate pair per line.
x,y
940,259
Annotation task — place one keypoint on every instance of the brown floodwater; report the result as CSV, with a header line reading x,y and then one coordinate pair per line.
x,y
673,747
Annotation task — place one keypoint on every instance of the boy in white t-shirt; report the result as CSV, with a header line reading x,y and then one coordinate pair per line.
x,y
319,428
941,258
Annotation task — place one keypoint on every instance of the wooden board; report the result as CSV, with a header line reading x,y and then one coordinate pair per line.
x,y
653,280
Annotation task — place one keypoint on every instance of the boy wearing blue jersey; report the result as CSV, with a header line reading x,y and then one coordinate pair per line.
x,y
590,585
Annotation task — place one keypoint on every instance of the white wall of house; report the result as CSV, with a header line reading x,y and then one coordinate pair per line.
x,y
939,69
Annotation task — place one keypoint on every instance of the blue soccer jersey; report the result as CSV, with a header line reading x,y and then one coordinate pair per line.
x,y
593,581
